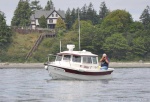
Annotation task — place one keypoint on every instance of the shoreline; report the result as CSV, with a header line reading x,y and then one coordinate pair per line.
x,y
41,65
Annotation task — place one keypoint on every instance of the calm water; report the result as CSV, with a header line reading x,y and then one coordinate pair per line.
x,y
34,85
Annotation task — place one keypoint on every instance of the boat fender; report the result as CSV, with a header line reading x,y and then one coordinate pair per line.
x,y
46,67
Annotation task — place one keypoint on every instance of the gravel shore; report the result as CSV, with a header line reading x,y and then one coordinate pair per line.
x,y
41,65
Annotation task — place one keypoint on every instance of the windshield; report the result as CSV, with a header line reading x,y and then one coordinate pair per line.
x,y
89,59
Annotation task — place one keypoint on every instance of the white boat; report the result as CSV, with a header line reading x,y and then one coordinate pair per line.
x,y
77,65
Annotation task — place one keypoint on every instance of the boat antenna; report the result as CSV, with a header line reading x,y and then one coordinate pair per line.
x,y
79,28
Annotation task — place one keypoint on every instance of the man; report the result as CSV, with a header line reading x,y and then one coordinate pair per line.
x,y
104,62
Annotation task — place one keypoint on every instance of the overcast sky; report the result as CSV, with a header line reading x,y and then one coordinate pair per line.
x,y
134,7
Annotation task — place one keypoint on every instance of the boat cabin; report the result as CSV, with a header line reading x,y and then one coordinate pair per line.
x,y
77,58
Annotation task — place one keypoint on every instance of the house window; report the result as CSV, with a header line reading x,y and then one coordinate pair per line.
x,y
56,15
50,20
52,15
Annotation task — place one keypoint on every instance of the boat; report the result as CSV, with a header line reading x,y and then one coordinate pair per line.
x,y
77,65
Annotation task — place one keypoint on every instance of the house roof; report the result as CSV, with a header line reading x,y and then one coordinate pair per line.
x,y
46,13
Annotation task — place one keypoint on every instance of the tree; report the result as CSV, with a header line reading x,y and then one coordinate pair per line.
x,y
138,47
116,46
87,34
60,27
5,32
60,24
116,21
73,16
22,14
145,17
43,22
136,26
83,15
35,5
49,5
91,14
68,18
103,11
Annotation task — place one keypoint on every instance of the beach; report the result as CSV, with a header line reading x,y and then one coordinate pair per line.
x,y
112,65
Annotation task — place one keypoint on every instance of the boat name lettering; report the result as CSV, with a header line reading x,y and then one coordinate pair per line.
x,y
84,66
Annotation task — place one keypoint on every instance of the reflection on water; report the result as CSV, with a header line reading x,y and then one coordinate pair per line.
x,y
34,85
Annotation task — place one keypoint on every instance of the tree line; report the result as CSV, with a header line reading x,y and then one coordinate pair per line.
x,y
112,32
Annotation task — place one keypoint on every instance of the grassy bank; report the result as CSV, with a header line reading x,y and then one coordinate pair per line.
x,y
20,46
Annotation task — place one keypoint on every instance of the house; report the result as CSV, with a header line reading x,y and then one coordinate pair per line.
x,y
50,15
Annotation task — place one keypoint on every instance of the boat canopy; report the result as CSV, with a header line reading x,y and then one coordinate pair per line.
x,y
81,53
78,58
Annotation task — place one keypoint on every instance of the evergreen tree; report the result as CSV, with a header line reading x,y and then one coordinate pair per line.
x,y
103,11
5,32
83,15
35,5
43,22
22,14
91,14
68,18
49,5
145,17
73,16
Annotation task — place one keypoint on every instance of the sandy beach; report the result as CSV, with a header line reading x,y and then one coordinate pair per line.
x,y
41,65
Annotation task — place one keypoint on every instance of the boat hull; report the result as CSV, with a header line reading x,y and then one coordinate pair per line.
x,y
60,73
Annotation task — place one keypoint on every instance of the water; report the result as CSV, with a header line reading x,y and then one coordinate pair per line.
x,y
35,85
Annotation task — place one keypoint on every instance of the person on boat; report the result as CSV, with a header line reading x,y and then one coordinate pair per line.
x,y
104,62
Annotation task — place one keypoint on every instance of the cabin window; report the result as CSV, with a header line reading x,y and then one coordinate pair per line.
x,y
76,58
87,59
59,57
66,57
94,60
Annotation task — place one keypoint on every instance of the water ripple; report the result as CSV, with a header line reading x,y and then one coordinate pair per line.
x,y
35,85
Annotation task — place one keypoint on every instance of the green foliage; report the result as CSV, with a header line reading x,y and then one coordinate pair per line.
x,y
43,22
68,19
117,21
103,11
91,14
136,26
49,5
114,33
60,27
138,47
116,46
22,14
5,32
35,5
60,24
145,18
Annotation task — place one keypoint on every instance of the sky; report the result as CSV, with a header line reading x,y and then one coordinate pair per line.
x,y
134,7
